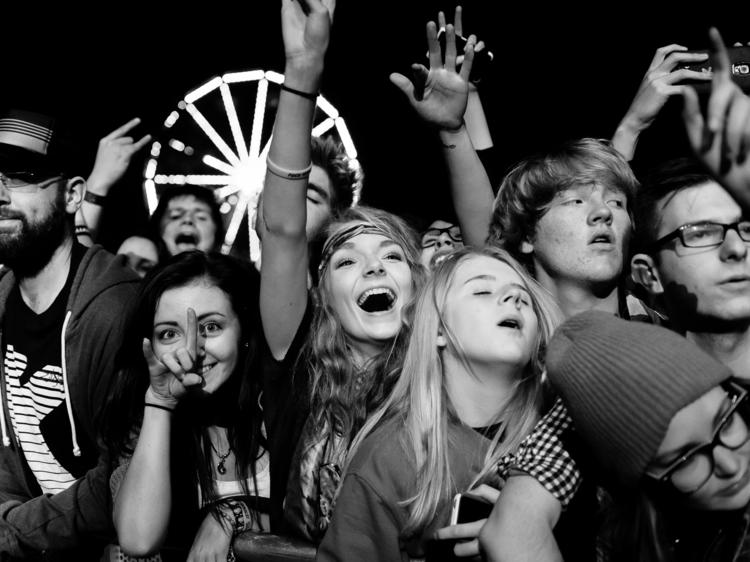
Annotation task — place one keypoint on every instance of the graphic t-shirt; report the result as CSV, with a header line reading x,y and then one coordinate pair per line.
x,y
35,389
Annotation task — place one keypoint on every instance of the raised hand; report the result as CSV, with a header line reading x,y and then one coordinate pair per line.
x,y
113,157
458,27
306,28
661,82
172,375
441,92
721,138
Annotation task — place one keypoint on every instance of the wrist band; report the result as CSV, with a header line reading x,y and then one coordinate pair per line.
x,y
307,95
277,170
167,408
94,199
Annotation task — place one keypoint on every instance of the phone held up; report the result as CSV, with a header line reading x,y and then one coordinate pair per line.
x,y
739,59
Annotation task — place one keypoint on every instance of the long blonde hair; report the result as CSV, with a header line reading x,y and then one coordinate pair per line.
x,y
420,400
338,402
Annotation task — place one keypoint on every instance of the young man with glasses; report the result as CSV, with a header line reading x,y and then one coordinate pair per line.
x,y
440,238
61,306
692,243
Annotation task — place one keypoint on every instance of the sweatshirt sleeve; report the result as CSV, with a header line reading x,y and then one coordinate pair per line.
x,y
363,527
64,520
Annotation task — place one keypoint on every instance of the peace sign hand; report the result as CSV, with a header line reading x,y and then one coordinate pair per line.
x,y
172,375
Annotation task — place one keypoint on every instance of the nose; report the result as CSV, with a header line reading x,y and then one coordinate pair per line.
x,y
4,193
733,247
200,348
726,462
187,218
444,241
374,267
512,296
600,212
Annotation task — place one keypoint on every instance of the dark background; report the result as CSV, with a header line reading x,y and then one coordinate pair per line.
x,y
558,73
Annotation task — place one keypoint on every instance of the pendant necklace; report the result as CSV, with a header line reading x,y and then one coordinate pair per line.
x,y
220,468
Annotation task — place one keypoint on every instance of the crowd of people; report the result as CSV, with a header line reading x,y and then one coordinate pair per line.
x,y
560,372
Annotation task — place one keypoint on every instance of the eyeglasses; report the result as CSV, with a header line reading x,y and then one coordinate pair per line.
x,y
705,234
693,469
26,181
430,236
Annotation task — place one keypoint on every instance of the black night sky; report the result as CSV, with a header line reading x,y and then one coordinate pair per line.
x,y
558,73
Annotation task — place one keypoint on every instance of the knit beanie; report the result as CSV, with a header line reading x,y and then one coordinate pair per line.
x,y
623,382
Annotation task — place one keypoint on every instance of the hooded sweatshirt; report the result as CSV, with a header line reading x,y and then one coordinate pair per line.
x,y
101,294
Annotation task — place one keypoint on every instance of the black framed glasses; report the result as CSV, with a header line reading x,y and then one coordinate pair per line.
x,y
705,234
26,181
431,235
694,468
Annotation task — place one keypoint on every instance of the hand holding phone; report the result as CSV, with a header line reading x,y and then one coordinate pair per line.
x,y
482,58
739,58
467,508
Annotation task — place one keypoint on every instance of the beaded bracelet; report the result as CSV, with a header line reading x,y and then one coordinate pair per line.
x,y
285,173
238,515
307,95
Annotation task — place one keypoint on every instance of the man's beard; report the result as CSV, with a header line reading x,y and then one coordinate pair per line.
x,y
29,250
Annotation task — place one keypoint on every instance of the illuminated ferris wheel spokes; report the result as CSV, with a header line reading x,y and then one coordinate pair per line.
x,y
211,149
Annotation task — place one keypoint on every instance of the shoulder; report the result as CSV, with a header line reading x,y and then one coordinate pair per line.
x,y
544,455
383,461
104,279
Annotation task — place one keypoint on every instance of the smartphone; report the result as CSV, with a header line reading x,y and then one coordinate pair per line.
x,y
466,509
739,58
482,59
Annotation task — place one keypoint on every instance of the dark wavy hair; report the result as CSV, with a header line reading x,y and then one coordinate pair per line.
x,y
237,399
330,155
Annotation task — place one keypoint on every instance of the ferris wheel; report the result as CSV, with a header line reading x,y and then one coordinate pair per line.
x,y
218,138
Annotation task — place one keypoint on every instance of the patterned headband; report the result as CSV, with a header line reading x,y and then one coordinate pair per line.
x,y
333,242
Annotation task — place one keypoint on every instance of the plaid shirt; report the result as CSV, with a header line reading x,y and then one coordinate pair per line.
x,y
543,456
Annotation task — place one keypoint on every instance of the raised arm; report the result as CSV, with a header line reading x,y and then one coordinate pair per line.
x,y
721,138
143,504
112,160
440,98
474,117
658,85
283,289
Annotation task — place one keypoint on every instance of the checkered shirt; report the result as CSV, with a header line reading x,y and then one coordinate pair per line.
x,y
542,455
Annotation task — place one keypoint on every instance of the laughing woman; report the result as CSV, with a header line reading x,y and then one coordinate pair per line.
x,y
471,389
368,271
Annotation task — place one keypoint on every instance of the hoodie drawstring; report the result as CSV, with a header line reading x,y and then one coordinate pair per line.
x,y
68,403
3,427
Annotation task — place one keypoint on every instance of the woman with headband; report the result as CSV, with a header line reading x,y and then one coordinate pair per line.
x,y
369,269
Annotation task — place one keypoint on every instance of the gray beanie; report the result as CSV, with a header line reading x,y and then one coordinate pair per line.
x,y
623,382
